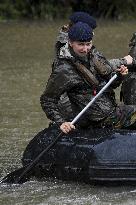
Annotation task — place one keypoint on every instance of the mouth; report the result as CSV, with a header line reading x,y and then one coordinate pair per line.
x,y
82,53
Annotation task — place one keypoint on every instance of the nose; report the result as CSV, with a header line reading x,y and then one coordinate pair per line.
x,y
85,49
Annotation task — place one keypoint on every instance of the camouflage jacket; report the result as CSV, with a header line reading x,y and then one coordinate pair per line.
x,y
65,78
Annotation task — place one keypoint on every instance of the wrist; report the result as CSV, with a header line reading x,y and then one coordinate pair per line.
x,y
124,61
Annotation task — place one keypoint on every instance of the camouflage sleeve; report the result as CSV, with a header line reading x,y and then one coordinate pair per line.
x,y
58,83
121,61
105,68
102,65
116,63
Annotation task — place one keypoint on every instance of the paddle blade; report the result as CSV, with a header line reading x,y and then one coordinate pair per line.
x,y
14,177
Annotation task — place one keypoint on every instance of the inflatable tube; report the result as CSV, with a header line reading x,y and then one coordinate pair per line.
x,y
91,155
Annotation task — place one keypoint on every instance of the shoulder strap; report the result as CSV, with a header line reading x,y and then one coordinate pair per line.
x,y
86,74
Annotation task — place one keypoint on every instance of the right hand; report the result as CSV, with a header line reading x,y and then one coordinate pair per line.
x,y
66,127
123,70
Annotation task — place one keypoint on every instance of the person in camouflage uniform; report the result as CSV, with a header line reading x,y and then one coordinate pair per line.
x,y
128,88
66,77
62,40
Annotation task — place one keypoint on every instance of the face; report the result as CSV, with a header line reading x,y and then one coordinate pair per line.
x,y
81,48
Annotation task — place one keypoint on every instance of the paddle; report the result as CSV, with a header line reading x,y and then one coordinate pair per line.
x,y
23,174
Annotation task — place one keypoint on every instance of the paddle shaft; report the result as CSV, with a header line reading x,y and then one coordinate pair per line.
x,y
94,99
34,162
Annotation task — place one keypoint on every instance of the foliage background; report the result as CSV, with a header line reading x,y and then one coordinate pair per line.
x,y
45,9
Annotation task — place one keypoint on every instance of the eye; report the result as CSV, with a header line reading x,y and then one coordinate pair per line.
x,y
89,44
80,44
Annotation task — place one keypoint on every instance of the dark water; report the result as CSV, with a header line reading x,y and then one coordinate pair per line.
x,y
26,52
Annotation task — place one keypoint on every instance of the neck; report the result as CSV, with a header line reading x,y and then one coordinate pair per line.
x,y
77,57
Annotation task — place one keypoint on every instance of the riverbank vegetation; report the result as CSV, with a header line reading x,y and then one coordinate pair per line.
x,y
49,10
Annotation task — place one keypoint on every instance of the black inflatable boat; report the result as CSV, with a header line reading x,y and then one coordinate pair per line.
x,y
91,155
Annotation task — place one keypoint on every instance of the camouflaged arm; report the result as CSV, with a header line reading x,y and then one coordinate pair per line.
x,y
49,99
121,61
116,63
49,106
102,65
132,46
105,68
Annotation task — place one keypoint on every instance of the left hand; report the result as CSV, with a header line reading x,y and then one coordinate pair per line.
x,y
66,127
123,70
129,59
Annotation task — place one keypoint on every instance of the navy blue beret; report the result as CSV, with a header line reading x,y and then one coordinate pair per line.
x,y
80,32
83,17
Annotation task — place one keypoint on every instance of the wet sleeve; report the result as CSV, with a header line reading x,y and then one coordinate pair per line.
x,y
106,68
102,65
116,63
59,82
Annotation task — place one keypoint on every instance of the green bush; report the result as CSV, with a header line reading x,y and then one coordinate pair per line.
x,y
45,9
40,9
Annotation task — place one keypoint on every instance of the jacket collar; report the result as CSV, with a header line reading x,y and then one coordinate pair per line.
x,y
67,53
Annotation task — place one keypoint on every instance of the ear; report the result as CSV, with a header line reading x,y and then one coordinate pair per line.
x,y
70,43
